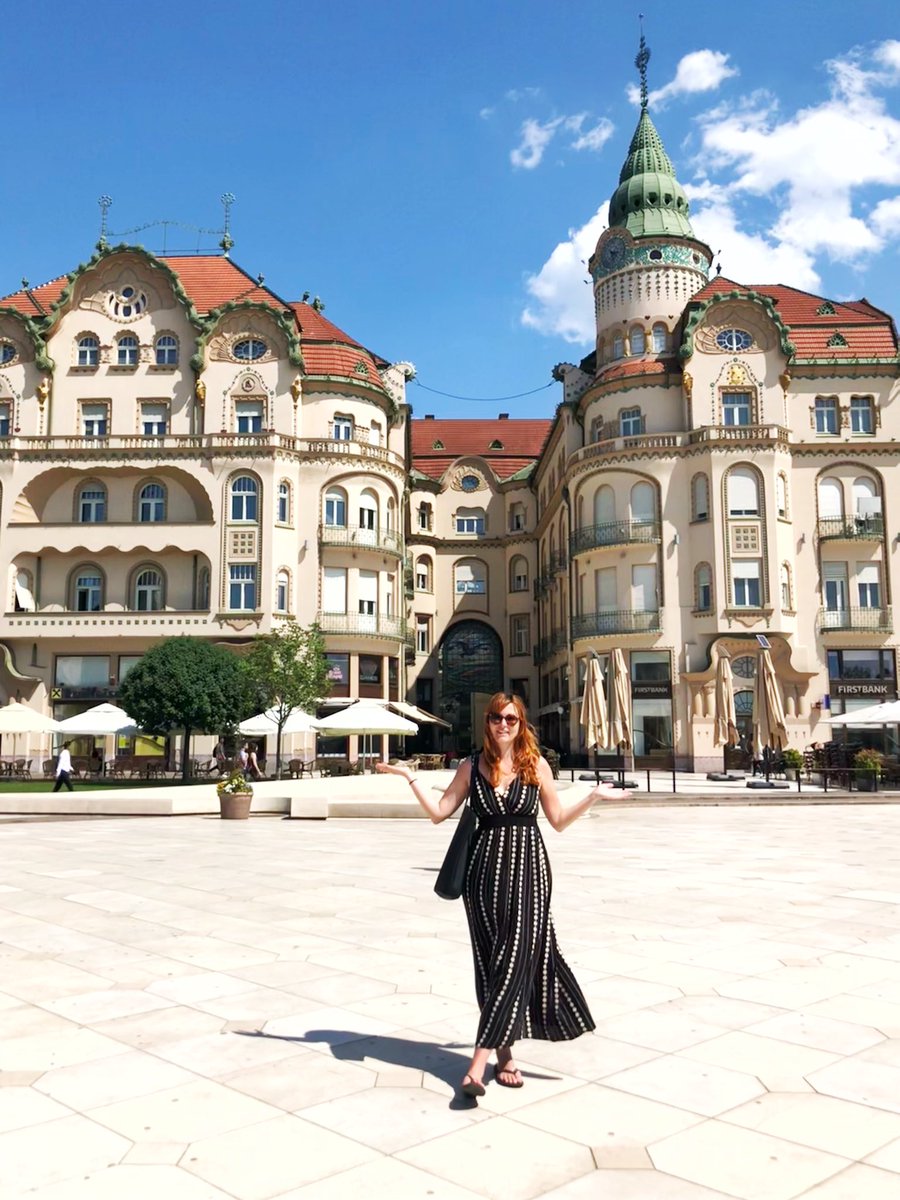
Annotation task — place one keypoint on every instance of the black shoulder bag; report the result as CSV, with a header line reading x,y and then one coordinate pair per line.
x,y
452,875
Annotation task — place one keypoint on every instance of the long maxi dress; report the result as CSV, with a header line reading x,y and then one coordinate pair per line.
x,y
525,987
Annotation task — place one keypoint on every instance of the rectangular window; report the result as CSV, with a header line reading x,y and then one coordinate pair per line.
x,y
826,411
154,420
422,578
342,428
92,505
862,417
704,593
470,579
423,634
242,587
469,522
520,581
835,591
650,666
335,510
424,516
281,594
248,416
868,582
520,634
643,589
94,420
4,420
746,583
519,687
861,664
605,585
370,669
338,673
74,670
425,694
334,589
736,408
631,422
367,598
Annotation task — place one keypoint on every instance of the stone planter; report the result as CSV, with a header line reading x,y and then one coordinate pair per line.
x,y
235,806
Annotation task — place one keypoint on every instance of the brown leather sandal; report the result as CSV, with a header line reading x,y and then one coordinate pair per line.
x,y
472,1086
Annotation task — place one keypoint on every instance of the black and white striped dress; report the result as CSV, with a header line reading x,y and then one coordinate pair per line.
x,y
524,986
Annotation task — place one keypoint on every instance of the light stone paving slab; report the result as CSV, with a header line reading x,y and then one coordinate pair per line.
x,y
308,971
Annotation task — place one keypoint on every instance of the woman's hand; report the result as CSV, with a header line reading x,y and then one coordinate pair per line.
x,y
604,791
399,769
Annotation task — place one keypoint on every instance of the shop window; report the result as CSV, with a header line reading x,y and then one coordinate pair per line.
x,y
338,673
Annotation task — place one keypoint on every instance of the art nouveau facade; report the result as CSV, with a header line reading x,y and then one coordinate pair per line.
x,y
181,451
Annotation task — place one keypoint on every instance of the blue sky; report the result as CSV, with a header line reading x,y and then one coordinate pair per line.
x,y
436,172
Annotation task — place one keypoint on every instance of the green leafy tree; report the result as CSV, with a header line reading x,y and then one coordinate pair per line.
x,y
186,684
285,670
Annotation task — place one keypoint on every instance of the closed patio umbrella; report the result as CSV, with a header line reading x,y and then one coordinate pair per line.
x,y
726,733
620,702
594,715
769,727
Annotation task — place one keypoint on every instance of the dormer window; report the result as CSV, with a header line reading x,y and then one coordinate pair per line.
x,y
495,445
249,349
128,303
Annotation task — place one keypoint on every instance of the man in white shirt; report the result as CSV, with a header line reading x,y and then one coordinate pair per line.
x,y
64,769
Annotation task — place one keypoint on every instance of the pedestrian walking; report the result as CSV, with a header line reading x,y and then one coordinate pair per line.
x,y
64,769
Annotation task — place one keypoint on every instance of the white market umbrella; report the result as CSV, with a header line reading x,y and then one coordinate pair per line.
x,y
365,719
887,713
265,724
19,718
102,720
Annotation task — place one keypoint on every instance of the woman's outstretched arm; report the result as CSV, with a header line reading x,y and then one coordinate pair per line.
x,y
453,797
559,815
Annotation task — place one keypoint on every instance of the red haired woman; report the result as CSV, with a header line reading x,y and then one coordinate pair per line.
x,y
525,988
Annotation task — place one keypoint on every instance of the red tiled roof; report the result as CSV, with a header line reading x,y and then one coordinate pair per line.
x,y
521,443
315,327
212,280
868,332
641,366
45,294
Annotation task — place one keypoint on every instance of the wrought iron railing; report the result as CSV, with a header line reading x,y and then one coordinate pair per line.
x,y
849,529
359,536
612,533
362,625
599,624
862,620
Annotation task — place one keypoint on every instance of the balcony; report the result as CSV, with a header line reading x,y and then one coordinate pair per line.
x,y
741,433
602,624
557,563
359,537
118,623
552,644
613,533
362,625
851,529
855,620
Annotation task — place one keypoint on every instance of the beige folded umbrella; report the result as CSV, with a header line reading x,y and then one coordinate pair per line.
x,y
769,727
594,716
726,733
620,702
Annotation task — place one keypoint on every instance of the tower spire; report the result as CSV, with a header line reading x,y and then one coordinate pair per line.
x,y
641,61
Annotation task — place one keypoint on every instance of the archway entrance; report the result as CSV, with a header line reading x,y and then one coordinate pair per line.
x,y
740,757
471,661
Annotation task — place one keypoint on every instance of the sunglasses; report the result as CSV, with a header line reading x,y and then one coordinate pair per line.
x,y
496,718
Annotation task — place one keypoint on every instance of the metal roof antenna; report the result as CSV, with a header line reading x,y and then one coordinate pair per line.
x,y
105,202
641,61
227,241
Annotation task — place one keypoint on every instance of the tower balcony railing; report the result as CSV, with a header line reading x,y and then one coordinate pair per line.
x,y
856,620
601,624
612,533
557,563
356,537
741,433
851,529
363,625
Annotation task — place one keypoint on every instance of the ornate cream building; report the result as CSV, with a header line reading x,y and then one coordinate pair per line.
x,y
184,452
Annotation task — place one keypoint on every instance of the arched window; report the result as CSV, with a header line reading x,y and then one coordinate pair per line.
x,y
148,590
390,521
831,498
282,591
781,494
743,493
470,577
659,338
152,503
604,505
638,339
518,574
203,590
166,350
423,574
424,516
23,589
643,502
91,503
244,498
368,512
127,349
631,423
699,498
284,502
87,589
336,507
866,501
786,590
703,600
88,351
618,346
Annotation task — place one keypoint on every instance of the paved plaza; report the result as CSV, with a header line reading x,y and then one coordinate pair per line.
x,y
199,1010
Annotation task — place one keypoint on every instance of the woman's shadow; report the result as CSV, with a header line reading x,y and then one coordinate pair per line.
x,y
442,1061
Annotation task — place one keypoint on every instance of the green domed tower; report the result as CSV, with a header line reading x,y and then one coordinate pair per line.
x,y
648,262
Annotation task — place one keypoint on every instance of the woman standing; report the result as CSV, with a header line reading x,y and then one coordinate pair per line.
x,y
524,986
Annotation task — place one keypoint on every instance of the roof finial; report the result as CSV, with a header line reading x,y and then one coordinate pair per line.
x,y
643,57
227,241
104,202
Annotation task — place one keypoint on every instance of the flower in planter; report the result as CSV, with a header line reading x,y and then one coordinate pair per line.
x,y
234,784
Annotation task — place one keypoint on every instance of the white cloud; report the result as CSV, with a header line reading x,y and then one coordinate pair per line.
x,y
535,137
885,218
486,112
888,54
594,138
700,71
514,95
562,303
